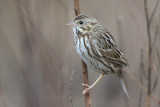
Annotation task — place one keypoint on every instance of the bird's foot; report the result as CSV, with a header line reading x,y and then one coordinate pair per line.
x,y
87,89
85,85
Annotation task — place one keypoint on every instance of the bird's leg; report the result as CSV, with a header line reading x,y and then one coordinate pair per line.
x,y
90,87
85,85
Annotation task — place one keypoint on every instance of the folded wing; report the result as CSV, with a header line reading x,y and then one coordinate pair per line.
x,y
109,50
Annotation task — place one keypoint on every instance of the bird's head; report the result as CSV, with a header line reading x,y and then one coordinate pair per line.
x,y
84,23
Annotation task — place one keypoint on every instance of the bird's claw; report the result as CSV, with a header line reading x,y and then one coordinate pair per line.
x,y
85,85
86,90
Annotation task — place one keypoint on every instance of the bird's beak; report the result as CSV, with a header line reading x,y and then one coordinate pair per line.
x,y
70,23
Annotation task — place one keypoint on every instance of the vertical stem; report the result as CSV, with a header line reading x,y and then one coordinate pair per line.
x,y
76,8
86,81
84,66
149,65
148,22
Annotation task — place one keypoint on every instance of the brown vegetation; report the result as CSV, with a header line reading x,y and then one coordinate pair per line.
x,y
37,53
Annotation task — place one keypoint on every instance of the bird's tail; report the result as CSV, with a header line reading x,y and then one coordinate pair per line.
x,y
124,87
123,83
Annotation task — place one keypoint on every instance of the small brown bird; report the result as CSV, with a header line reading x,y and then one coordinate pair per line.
x,y
97,48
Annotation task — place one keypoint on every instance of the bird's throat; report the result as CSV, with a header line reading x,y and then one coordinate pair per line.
x,y
81,30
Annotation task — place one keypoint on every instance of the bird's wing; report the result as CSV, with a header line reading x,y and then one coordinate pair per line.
x,y
109,50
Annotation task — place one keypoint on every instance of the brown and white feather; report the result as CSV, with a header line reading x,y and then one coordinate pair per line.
x,y
97,48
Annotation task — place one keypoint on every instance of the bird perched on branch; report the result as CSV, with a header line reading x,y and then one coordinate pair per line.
x,y
97,48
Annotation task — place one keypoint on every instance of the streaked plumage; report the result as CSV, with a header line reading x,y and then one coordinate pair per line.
x,y
96,46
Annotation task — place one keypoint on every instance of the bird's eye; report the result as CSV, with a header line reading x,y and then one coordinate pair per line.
x,y
81,22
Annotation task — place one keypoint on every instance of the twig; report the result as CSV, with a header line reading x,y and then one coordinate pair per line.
x,y
142,65
154,10
77,7
84,66
141,93
141,78
155,71
70,86
146,11
149,53
156,33
86,81
155,83
157,76
158,55
141,86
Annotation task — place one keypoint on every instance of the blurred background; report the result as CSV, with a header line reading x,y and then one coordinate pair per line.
x,y
37,56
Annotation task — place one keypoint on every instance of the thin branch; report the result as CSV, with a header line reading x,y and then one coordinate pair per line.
x,y
77,7
144,89
155,83
86,81
146,11
141,93
141,78
142,65
149,54
84,66
154,10
158,55
157,76
156,33
155,71
70,86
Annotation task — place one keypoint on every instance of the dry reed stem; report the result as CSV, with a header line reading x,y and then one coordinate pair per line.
x,y
144,89
84,66
150,63
142,72
70,85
